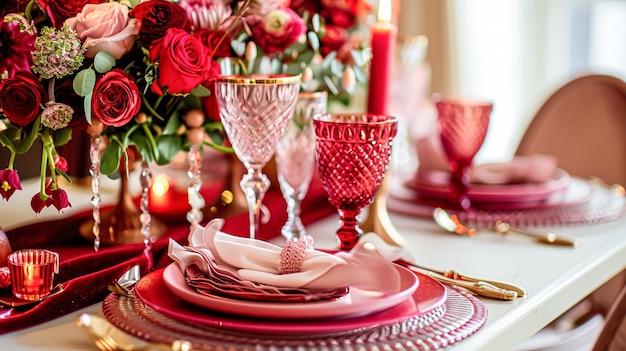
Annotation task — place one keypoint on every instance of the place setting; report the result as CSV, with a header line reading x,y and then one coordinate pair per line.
x,y
240,292
528,190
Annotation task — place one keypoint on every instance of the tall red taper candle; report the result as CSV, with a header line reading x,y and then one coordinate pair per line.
x,y
384,36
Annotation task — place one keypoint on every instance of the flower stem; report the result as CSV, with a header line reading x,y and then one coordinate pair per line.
x,y
11,159
151,109
42,174
150,137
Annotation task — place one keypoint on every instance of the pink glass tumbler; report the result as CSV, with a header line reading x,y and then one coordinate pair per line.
x,y
463,126
353,153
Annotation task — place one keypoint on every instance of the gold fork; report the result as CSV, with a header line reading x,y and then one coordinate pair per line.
x,y
108,338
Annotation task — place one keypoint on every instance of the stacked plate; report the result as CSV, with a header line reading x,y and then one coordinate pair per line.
x,y
561,200
421,315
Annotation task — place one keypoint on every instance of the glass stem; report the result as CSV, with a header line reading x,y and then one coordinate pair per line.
x,y
94,170
254,184
349,233
460,182
293,228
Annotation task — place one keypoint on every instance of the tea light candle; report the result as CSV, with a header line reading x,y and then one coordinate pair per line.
x,y
383,43
159,192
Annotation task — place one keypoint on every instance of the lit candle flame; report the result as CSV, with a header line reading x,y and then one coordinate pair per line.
x,y
384,11
160,185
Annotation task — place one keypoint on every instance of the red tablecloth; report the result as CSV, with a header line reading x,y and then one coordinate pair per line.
x,y
86,273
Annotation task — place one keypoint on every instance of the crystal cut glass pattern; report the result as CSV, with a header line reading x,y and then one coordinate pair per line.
x,y
353,153
255,111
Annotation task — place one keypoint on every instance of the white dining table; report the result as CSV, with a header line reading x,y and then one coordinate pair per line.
x,y
555,277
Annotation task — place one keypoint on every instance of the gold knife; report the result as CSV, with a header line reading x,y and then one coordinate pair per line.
x,y
480,288
457,275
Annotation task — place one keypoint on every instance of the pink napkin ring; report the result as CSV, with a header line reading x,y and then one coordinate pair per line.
x,y
293,252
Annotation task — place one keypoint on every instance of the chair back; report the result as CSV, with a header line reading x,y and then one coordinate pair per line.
x,y
583,124
613,334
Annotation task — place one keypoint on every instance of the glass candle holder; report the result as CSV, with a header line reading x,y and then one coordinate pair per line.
x,y
32,273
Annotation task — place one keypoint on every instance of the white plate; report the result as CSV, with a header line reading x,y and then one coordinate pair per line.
x,y
357,302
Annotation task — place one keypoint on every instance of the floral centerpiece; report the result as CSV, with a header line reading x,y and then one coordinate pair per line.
x,y
140,73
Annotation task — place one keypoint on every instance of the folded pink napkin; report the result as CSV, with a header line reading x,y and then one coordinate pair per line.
x,y
536,168
265,263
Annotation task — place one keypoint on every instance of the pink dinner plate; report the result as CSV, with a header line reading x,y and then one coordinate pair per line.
x,y
153,291
431,188
357,302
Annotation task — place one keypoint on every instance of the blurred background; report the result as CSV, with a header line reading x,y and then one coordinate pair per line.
x,y
513,52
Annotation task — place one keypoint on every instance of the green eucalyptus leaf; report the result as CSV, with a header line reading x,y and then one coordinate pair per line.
x,y
172,126
306,57
61,136
316,22
169,146
110,159
358,58
314,40
103,62
329,59
84,82
192,101
359,74
239,47
200,91
215,136
144,146
87,107
294,68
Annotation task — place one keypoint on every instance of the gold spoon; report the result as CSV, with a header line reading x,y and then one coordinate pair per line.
x,y
15,302
546,238
452,224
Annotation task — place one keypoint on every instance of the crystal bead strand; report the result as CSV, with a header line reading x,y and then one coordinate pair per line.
x,y
196,201
145,181
94,170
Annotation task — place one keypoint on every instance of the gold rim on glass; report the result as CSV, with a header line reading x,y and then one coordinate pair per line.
x,y
260,79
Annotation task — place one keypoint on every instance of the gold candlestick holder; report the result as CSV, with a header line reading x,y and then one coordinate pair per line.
x,y
378,220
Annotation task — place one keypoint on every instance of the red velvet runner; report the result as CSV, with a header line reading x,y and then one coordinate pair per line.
x,y
86,274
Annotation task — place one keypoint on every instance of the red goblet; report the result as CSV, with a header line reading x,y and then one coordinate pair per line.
x,y
353,154
463,125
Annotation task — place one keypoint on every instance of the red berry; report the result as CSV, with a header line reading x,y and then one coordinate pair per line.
x,y
60,163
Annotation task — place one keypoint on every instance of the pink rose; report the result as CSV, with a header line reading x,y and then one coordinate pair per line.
x,y
105,27
277,30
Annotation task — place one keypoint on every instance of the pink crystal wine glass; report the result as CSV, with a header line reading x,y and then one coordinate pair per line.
x,y
295,158
463,126
353,153
255,110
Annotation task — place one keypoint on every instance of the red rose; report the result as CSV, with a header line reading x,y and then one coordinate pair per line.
x,y
59,11
210,106
333,39
184,63
211,39
338,17
277,30
21,98
157,16
115,99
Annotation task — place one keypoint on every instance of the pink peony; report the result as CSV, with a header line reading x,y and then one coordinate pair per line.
x,y
105,27
277,30
16,48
